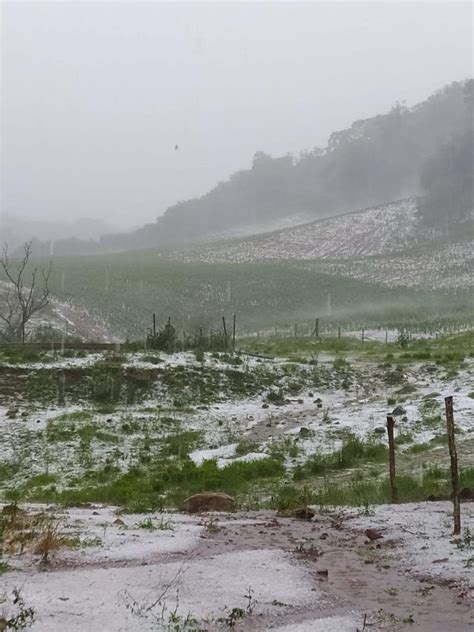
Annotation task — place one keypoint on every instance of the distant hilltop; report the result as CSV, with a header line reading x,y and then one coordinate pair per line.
x,y
424,151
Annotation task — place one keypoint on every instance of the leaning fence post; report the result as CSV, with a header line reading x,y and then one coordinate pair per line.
x,y
454,464
391,458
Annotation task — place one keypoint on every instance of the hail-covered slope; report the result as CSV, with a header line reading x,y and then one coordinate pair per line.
x,y
387,244
67,318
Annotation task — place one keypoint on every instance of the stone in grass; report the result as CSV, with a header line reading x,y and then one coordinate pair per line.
x,y
304,513
380,430
12,412
304,432
467,493
208,501
398,411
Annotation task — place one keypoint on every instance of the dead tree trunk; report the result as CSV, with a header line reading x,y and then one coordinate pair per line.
x,y
22,299
454,464
391,458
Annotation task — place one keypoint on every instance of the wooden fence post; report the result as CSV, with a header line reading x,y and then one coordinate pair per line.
x,y
338,332
454,464
233,332
225,331
391,458
363,335
315,331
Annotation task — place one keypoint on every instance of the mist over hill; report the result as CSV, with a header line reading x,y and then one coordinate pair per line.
x,y
15,230
376,160
425,151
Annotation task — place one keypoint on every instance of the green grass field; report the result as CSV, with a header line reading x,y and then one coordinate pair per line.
x,y
127,288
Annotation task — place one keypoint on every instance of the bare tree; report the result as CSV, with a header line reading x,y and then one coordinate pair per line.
x,y
22,297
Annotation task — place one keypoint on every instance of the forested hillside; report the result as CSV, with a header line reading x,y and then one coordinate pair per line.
x,y
448,180
426,150
376,160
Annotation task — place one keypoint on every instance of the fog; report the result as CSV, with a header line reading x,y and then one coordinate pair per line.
x,y
116,111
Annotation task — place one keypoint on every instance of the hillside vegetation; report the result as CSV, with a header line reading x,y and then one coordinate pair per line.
x,y
426,149
372,162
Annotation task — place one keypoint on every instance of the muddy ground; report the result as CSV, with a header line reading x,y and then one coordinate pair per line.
x,y
283,573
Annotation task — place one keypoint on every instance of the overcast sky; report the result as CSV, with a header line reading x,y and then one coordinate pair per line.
x,y
95,96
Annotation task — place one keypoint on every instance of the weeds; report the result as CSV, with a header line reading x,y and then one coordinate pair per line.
x,y
22,617
234,615
51,540
4,568
357,493
353,452
34,532
149,525
246,447
466,542
430,412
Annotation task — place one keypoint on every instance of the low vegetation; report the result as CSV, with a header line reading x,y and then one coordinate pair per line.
x,y
122,428
139,284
